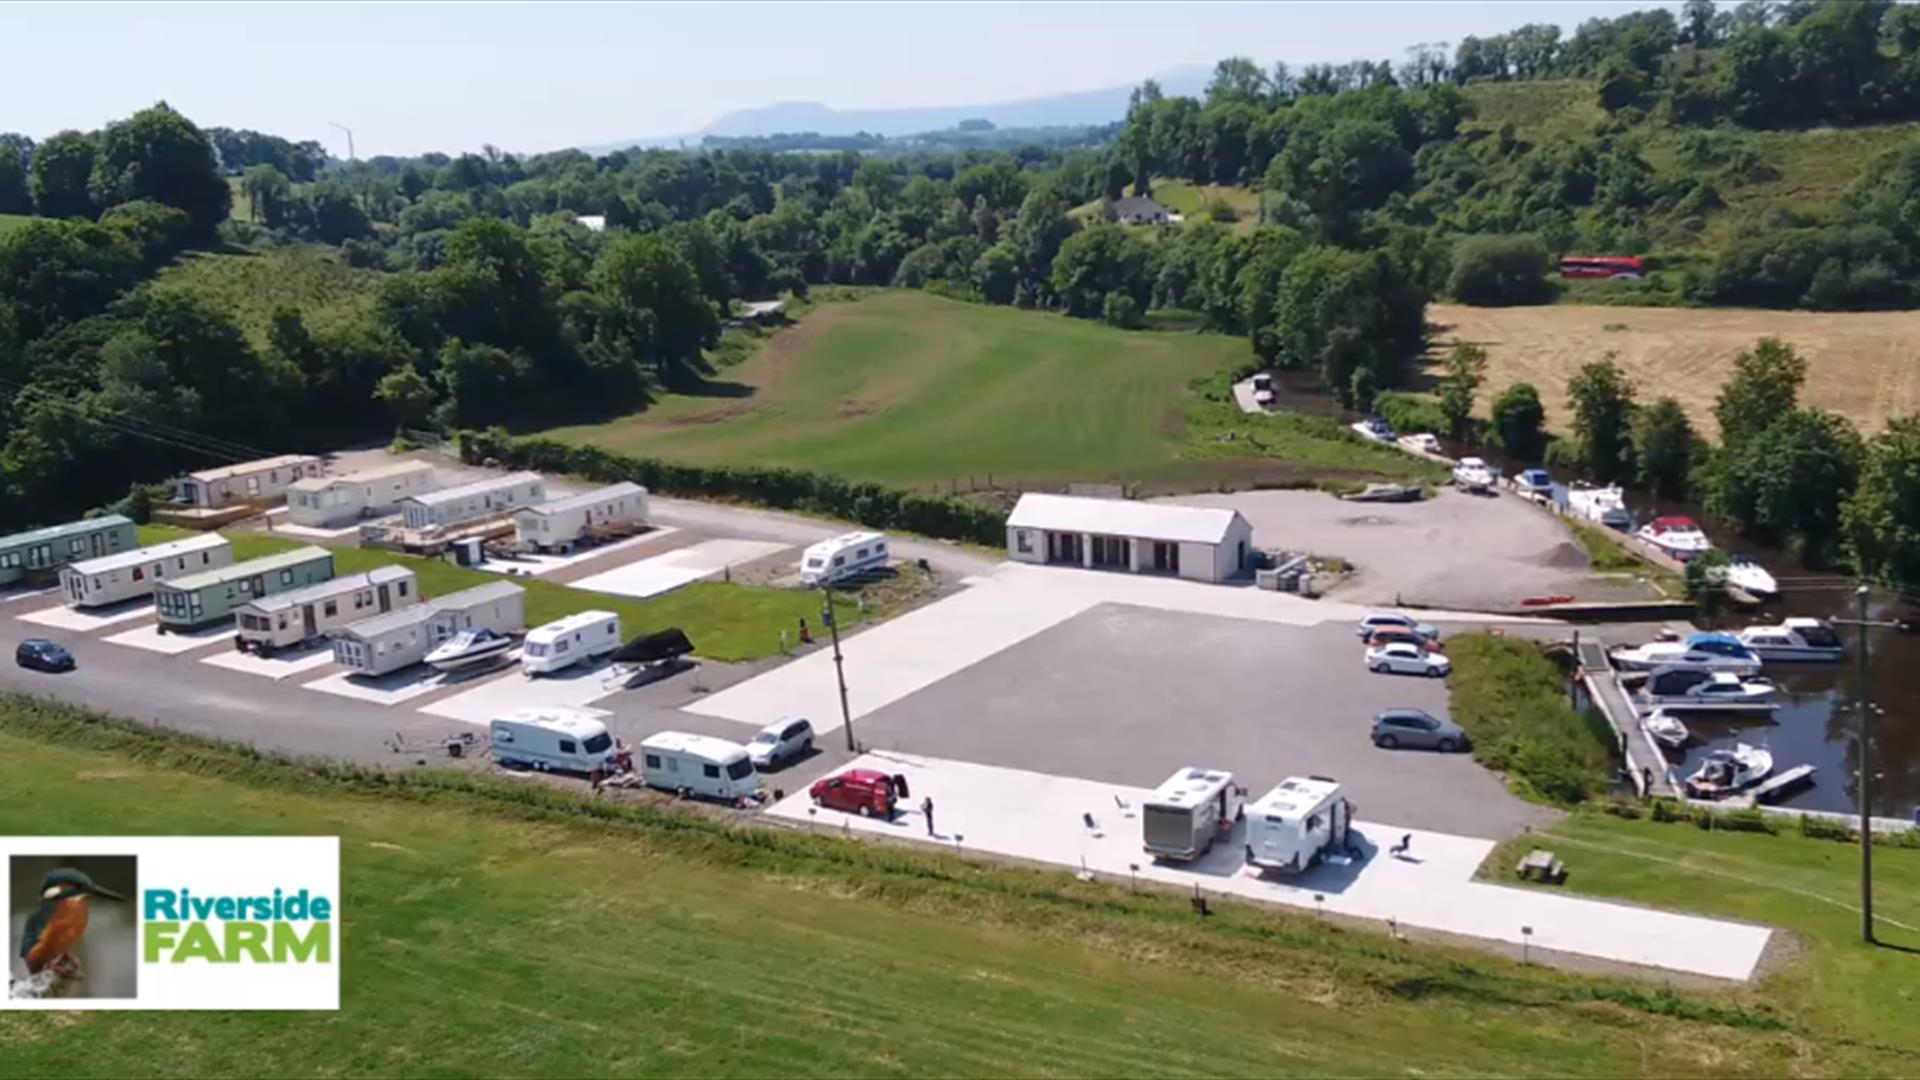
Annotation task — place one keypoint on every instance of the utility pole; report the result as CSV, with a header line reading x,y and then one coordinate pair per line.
x,y
349,132
1866,778
839,668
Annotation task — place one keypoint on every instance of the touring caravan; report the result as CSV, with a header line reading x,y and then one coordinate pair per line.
x,y
1289,827
698,765
553,737
211,596
41,553
842,557
132,574
579,638
290,619
387,643
1194,808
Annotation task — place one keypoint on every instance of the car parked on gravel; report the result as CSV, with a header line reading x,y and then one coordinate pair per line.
x,y
1393,620
1417,729
1401,658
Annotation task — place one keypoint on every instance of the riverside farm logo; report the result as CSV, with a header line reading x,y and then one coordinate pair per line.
x,y
212,923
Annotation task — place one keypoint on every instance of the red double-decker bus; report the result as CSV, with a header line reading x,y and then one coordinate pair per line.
x,y
1602,267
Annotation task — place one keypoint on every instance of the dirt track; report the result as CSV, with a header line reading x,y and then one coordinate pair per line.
x,y
1863,365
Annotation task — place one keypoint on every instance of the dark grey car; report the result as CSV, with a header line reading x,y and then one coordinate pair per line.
x,y
1417,729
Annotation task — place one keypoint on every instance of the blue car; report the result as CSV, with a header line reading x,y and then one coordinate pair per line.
x,y
39,654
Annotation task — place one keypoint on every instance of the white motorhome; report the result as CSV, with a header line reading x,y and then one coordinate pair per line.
x,y
553,737
563,523
579,638
131,574
288,619
842,557
1194,808
1290,827
698,765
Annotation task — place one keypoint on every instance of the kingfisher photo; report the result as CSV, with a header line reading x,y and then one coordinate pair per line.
x,y
73,926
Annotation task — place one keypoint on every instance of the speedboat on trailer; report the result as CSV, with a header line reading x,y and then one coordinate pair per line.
x,y
1600,505
469,648
1534,484
1472,474
1797,639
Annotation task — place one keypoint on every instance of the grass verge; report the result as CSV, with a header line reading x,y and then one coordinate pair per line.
x,y
512,929
729,623
1512,702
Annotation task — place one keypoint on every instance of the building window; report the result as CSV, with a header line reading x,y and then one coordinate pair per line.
x,y
1023,542
76,546
332,609
286,577
139,574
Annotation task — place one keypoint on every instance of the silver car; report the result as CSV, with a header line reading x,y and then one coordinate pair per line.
x,y
780,742
1417,728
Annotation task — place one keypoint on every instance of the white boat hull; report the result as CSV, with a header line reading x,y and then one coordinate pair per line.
x,y
476,658
1796,654
1626,661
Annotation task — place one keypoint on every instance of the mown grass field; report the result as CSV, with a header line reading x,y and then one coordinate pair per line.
x,y
726,622
916,390
1863,365
10,222
250,287
498,930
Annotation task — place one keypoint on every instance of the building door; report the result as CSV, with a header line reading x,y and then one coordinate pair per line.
x,y
386,602
99,545
1065,548
39,556
306,620
1166,557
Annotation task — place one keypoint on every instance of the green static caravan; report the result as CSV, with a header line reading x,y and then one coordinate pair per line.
x,y
202,599
42,552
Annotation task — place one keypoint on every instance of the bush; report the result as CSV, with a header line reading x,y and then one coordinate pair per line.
x,y
1512,703
1517,419
1409,413
869,504
1501,270
1815,827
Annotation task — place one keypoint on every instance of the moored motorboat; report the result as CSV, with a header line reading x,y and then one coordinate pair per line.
x,y
1728,771
1695,689
1425,442
1472,474
469,648
1750,577
1795,640
1533,484
1667,730
1678,537
1600,505
1710,651
1375,428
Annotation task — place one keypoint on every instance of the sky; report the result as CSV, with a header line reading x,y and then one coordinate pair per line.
x,y
408,78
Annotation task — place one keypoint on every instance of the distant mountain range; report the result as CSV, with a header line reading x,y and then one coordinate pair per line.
x,y
1054,110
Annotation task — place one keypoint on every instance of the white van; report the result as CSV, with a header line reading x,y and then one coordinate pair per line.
x,y
553,737
697,765
1290,827
842,557
577,639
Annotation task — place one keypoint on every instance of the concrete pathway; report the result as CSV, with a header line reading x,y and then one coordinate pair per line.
x,y
1037,817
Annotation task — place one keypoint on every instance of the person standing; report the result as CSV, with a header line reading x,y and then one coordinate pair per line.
x,y
926,811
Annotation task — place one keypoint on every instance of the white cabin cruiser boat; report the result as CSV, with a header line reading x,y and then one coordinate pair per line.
x,y
1728,771
1797,639
1426,442
469,648
1472,474
1708,651
1533,484
1748,576
1375,428
1600,505
1701,689
1667,730
1678,537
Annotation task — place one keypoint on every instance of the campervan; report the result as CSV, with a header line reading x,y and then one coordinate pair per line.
x,y
1195,807
579,638
553,737
697,765
1290,827
842,557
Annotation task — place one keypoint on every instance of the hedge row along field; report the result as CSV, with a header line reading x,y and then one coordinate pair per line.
x,y
1513,704
873,505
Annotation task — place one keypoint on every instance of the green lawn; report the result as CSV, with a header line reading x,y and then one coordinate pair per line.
x,y
726,622
508,930
912,389
1864,996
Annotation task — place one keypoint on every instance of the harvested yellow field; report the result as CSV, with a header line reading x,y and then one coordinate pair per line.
x,y
1862,365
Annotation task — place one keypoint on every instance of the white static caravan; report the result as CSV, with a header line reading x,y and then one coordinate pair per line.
x,y
560,524
698,765
131,574
289,619
1194,808
1290,827
265,481
403,638
577,639
553,737
842,557
326,502
479,500
1195,542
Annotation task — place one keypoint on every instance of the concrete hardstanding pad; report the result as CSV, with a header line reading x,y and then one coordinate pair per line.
x,y
281,526
664,573
542,565
283,665
517,690
172,643
88,620
406,684
1039,817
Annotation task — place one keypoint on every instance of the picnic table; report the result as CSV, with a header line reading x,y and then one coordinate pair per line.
x,y
1540,864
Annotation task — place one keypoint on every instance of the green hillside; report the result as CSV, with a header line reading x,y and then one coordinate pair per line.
x,y
250,287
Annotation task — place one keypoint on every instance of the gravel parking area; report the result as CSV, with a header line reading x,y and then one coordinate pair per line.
x,y
1481,552
1127,695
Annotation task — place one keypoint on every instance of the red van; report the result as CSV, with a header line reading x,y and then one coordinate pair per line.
x,y
867,792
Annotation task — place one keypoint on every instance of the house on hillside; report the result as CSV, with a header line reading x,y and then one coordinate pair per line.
x,y
1137,210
